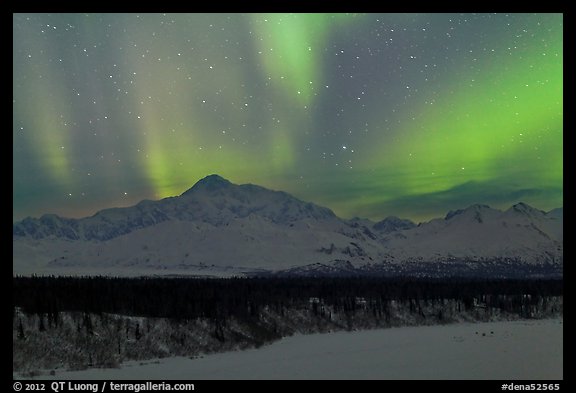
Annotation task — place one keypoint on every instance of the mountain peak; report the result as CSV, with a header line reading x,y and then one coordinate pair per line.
x,y
524,208
209,183
476,209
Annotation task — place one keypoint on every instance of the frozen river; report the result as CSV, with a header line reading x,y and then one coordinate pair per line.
x,y
494,350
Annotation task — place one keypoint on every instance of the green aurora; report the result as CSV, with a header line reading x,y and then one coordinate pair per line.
x,y
369,114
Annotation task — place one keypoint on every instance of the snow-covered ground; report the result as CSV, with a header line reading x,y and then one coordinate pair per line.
x,y
528,350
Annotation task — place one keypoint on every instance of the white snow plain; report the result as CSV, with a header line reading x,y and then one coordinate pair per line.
x,y
511,350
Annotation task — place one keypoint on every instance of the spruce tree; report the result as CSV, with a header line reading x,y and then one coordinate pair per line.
x,y
21,335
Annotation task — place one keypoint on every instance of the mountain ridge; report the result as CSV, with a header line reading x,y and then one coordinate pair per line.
x,y
247,228
208,193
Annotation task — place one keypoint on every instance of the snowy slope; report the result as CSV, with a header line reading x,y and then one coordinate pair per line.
x,y
252,242
217,227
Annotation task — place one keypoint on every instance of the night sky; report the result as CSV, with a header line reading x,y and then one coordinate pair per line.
x,y
369,114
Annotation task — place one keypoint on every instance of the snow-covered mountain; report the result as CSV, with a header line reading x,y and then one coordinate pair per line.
x,y
220,228
212,200
482,233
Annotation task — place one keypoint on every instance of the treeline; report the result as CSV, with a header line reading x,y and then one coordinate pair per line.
x,y
246,298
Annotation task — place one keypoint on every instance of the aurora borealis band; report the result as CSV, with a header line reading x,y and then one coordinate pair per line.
x,y
368,114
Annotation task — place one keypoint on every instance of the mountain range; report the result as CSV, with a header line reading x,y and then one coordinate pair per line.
x,y
218,228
